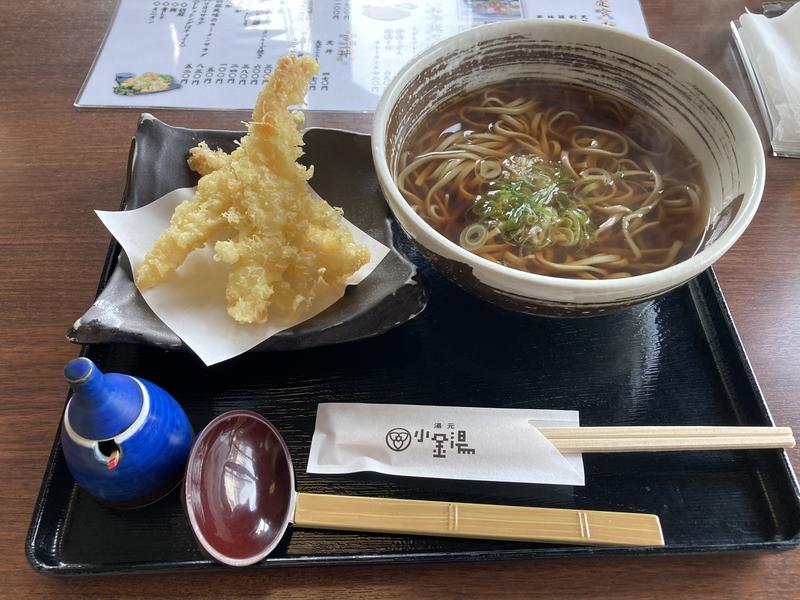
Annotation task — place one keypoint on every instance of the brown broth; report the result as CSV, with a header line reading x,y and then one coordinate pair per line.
x,y
678,214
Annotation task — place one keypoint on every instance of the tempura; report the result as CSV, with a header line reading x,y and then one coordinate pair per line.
x,y
285,239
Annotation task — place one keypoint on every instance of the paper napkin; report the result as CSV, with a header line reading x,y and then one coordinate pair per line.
x,y
773,47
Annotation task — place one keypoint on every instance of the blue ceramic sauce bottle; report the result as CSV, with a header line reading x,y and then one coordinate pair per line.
x,y
125,440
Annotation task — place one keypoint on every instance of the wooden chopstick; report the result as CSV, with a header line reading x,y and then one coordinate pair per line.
x,y
654,439
671,444
484,521
658,431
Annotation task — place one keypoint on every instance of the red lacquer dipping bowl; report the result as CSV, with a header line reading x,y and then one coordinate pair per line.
x,y
239,488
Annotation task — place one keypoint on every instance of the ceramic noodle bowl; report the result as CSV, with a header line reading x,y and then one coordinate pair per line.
x,y
125,440
665,85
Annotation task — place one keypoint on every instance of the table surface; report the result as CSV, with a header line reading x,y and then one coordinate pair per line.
x,y
58,163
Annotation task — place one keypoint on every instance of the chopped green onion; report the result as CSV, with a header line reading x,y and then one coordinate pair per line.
x,y
473,236
531,206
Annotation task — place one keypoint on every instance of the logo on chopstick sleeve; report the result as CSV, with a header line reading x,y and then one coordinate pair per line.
x,y
398,439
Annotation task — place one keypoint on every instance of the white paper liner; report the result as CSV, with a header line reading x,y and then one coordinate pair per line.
x,y
192,303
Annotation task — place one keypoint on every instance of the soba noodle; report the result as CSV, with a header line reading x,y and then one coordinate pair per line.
x,y
556,180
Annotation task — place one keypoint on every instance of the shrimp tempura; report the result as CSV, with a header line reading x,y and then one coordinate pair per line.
x,y
286,240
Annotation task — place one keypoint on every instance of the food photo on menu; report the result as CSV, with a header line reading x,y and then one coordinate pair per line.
x,y
417,282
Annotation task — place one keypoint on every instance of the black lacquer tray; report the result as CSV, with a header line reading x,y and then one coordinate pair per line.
x,y
674,361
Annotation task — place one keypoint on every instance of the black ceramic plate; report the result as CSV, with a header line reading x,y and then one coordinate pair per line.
x,y
674,361
391,295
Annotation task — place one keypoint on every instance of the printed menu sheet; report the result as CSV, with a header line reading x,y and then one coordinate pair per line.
x,y
216,54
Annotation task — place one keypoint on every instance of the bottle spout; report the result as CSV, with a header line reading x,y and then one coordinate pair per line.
x,y
87,381
102,405
78,370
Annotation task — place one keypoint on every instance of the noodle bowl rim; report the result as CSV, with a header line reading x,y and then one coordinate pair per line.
x,y
611,289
